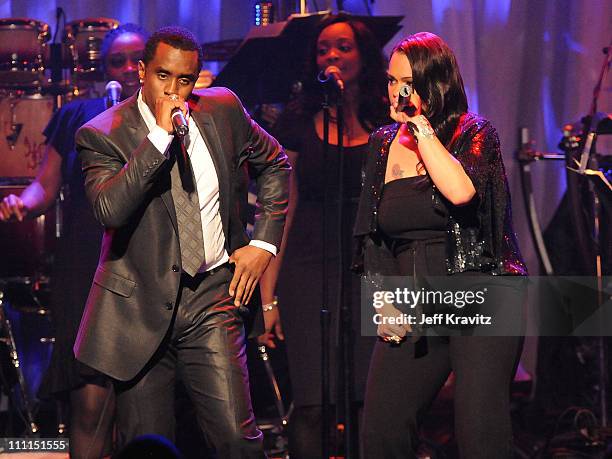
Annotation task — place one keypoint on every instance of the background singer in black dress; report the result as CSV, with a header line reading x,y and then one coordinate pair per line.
x,y
348,44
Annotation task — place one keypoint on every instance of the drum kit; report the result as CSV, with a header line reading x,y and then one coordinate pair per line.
x,y
36,78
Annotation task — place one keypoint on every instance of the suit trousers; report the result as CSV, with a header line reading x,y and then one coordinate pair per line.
x,y
205,348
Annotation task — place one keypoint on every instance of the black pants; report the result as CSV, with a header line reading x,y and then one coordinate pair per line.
x,y
401,387
403,381
205,348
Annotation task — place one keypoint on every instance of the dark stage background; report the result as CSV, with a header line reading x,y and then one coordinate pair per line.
x,y
524,63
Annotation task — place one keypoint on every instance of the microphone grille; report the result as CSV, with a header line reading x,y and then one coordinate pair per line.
x,y
113,85
405,90
331,69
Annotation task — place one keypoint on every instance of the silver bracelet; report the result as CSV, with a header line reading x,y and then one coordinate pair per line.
x,y
269,306
423,127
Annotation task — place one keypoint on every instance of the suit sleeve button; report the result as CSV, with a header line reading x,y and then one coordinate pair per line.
x,y
175,268
168,305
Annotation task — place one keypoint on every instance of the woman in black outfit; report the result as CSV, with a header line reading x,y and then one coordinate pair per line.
x,y
435,202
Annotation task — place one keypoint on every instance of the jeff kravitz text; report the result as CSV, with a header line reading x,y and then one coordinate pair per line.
x,y
458,299
434,319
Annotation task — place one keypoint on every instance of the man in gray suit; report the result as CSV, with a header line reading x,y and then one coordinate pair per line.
x,y
171,295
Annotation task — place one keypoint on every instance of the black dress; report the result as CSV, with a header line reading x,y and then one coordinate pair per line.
x,y
300,280
77,250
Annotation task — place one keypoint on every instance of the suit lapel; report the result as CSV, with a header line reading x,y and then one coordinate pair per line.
x,y
138,131
208,129
204,121
135,124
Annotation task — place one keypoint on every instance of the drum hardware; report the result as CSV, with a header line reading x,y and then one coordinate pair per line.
x,y
526,155
27,295
8,183
9,341
278,401
274,429
59,82
58,65
45,339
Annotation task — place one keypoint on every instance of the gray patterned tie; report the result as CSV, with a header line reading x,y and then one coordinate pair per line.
x,y
187,207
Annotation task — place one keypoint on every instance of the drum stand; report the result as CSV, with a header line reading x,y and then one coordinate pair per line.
x,y
276,427
7,338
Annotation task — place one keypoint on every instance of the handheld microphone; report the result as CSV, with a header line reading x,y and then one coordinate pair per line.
x,y
179,122
403,100
332,73
113,92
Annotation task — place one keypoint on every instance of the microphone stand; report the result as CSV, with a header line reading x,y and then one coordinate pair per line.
x,y
344,386
324,315
345,392
587,158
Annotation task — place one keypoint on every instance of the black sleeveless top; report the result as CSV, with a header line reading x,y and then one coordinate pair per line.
x,y
406,213
406,210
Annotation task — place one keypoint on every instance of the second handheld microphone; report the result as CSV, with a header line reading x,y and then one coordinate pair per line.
x,y
403,100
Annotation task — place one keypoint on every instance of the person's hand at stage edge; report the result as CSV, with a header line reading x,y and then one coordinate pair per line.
x,y
273,325
12,207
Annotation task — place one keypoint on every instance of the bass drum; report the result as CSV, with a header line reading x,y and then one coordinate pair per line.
x,y
23,120
22,51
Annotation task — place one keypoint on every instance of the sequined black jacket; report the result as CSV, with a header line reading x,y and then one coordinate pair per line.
x,y
479,235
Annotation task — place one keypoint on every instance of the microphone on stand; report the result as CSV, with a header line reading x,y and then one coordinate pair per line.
x,y
332,73
113,92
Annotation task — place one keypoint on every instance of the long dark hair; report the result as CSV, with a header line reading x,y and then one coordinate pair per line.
x,y
437,80
373,108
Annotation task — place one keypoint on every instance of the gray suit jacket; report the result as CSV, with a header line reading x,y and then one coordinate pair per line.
x,y
127,180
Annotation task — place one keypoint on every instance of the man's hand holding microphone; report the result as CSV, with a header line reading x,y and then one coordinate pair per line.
x,y
171,114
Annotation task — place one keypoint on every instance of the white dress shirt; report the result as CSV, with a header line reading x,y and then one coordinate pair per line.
x,y
207,184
